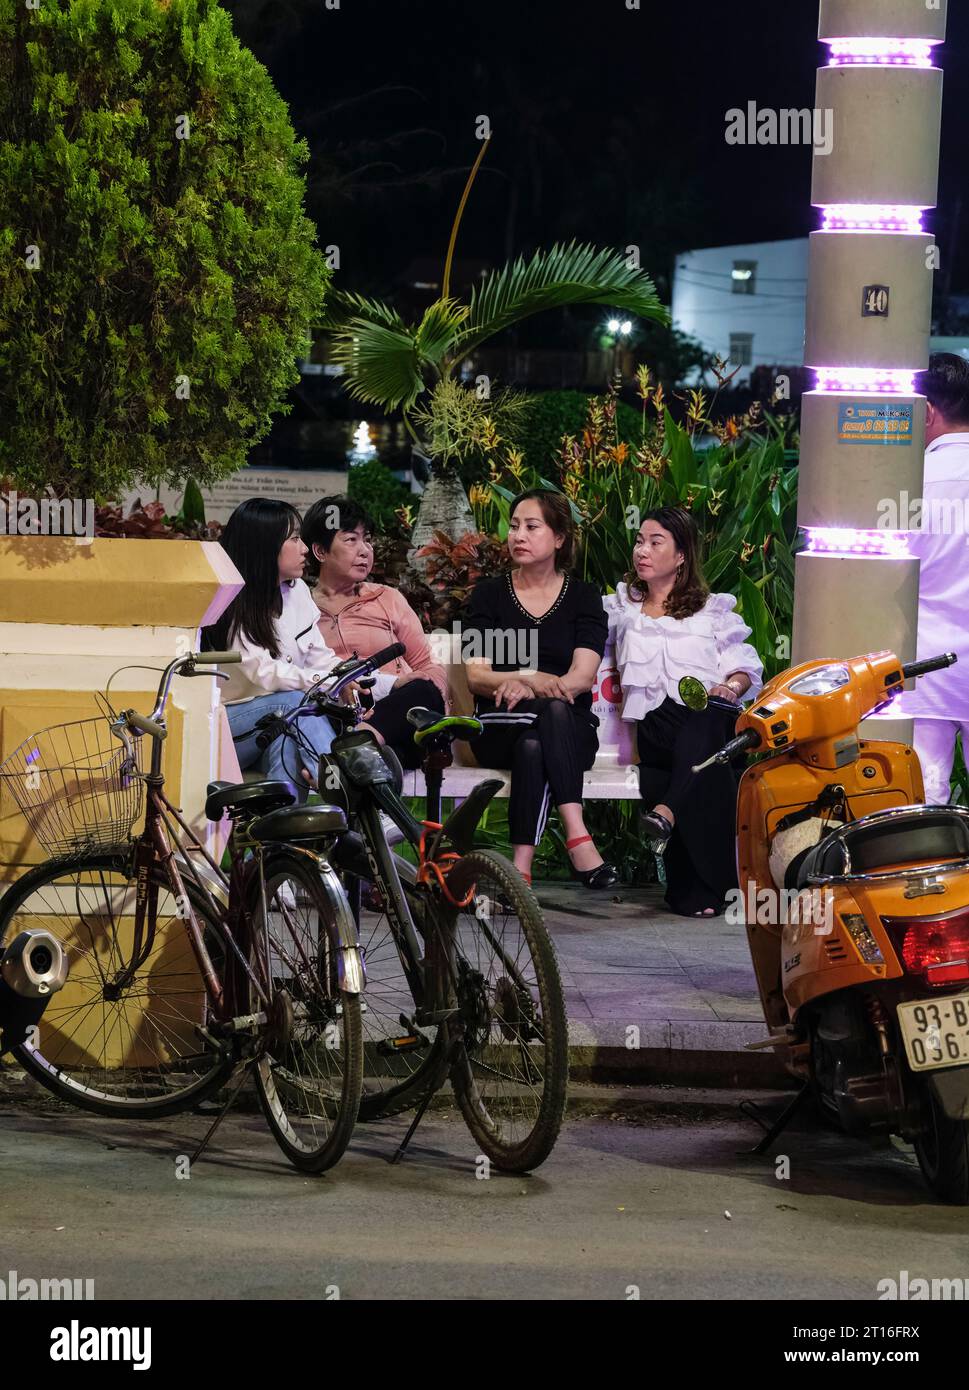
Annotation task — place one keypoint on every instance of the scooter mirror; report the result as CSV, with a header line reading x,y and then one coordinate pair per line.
x,y
693,693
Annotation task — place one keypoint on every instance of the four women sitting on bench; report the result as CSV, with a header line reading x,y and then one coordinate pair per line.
x,y
533,640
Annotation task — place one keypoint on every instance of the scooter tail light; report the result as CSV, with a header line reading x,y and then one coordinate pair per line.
x,y
935,948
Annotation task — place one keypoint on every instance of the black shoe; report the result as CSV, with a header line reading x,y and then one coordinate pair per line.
x,y
602,876
657,827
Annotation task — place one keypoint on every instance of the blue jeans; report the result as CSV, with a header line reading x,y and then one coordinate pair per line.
x,y
282,760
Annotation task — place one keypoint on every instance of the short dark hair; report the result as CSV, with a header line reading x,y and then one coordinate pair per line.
x,y
557,514
946,385
324,521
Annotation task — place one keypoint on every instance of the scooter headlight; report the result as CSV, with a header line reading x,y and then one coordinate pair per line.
x,y
822,681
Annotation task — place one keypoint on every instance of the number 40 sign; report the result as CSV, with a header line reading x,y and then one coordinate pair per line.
x,y
874,302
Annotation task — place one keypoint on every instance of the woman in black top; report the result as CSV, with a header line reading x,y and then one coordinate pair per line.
x,y
532,642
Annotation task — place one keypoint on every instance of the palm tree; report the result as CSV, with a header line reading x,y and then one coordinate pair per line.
x,y
393,364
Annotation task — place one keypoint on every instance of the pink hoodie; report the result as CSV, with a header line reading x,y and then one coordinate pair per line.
x,y
376,618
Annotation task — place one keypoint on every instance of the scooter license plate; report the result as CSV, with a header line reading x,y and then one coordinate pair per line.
x,y
936,1031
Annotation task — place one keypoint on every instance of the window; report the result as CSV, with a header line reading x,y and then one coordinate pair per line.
x,y
741,349
744,277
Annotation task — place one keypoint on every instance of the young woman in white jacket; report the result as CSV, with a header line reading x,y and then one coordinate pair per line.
x,y
666,625
273,622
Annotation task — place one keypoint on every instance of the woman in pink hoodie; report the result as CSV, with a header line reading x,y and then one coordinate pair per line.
x,y
357,616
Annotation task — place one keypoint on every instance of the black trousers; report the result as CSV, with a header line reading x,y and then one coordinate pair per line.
x,y
700,857
548,745
389,717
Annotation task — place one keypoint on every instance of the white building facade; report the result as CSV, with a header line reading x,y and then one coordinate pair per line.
x,y
745,303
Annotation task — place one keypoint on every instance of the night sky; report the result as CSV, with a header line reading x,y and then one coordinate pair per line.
x,y
608,124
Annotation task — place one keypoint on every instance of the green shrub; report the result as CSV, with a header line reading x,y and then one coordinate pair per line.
x,y
376,489
554,414
153,330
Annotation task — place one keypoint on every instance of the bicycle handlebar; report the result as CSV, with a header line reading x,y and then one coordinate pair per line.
x,y
134,720
216,658
274,726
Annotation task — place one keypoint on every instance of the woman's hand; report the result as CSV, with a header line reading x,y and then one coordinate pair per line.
x,y
725,692
404,677
548,687
511,691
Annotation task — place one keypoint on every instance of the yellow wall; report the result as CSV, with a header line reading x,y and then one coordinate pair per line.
x,y
24,713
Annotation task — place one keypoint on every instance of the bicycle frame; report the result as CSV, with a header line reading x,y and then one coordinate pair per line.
x,y
155,845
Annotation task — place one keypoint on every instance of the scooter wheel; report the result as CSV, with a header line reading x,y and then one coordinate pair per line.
x,y
942,1150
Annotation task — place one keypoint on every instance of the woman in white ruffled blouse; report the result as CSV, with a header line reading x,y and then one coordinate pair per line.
x,y
667,625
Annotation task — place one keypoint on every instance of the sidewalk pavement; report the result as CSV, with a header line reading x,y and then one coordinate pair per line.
x,y
686,984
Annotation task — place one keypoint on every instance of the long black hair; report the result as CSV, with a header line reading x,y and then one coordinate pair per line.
x,y
253,537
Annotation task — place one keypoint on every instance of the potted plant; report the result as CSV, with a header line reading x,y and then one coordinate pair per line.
x,y
414,367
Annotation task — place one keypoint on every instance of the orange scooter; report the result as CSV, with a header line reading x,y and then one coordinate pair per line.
x,y
856,899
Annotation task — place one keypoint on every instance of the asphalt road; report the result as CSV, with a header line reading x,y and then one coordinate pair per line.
x,y
633,1201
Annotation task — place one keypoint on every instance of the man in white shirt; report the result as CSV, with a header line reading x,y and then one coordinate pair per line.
x,y
940,702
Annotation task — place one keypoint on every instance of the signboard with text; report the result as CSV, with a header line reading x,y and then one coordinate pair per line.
x,y
875,422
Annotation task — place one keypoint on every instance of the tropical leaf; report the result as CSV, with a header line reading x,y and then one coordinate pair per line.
x,y
438,329
345,306
381,364
573,274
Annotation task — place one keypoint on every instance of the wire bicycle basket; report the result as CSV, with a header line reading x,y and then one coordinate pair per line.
x,y
77,787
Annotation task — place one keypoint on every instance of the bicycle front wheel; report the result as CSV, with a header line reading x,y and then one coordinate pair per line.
x,y
309,1078
122,1038
510,1072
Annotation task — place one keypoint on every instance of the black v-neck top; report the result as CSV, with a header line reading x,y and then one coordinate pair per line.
x,y
510,635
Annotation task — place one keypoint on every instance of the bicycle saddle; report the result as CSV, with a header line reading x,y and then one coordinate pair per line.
x,y
428,722
255,796
291,824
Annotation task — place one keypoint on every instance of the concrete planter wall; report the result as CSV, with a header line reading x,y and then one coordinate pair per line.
x,y
72,611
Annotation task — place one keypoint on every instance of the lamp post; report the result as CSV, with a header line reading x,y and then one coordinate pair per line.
x,y
870,274
620,329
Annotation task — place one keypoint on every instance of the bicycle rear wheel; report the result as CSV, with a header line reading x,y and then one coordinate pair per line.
x,y
400,1065
310,1076
510,1072
111,1045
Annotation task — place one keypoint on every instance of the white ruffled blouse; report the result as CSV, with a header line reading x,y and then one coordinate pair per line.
x,y
652,654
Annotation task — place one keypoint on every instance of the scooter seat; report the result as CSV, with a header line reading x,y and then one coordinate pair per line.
x,y
911,835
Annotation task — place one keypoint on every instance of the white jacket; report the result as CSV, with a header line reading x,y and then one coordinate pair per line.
x,y
303,654
943,548
653,653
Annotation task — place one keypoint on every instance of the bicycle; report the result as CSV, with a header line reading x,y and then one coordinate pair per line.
x,y
462,979
182,976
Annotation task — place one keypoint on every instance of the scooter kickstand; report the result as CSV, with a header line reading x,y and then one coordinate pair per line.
x,y
750,1110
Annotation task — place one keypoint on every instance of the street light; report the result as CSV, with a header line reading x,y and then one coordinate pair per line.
x,y
620,329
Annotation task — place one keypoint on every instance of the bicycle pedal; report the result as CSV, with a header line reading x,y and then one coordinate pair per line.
x,y
390,1047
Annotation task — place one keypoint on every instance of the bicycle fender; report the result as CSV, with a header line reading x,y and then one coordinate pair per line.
x,y
351,968
461,824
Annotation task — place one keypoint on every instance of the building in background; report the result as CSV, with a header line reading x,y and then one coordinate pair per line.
x,y
746,304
